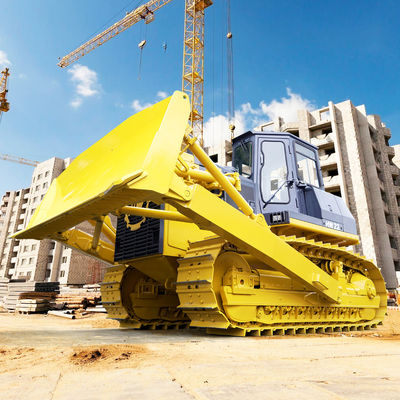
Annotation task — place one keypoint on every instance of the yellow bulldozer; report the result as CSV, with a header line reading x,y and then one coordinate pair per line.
x,y
258,248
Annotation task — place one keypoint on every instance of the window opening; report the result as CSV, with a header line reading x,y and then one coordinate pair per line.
x,y
274,173
306,165
243,158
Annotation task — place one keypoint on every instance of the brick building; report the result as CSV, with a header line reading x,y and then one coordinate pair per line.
x,y
357,164
44,260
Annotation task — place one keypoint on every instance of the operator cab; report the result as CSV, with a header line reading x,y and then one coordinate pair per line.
x,y
281,178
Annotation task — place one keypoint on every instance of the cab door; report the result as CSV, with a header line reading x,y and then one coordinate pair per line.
x,y
275,176
308,177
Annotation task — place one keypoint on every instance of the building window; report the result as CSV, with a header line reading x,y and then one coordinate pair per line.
x,y
28,274
45,185
35,199
62,274
64,260
33,210
41,197
325,115
39,176
31,260
37,188
33,247
48,272
47,173
26,248
23,261
50,259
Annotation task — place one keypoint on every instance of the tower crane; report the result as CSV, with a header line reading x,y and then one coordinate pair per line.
x,y
4,107
193,50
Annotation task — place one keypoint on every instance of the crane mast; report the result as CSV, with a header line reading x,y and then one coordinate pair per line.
x,y
193,50
4,107
193,61
4,104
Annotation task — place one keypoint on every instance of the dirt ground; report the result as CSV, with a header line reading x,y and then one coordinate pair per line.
x,y
47,357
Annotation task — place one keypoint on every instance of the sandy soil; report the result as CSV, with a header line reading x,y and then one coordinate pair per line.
x,y
97,361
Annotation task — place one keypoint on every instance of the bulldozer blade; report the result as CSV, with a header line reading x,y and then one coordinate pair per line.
x,y
143,147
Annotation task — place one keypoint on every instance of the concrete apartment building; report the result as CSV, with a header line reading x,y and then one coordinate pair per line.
x,y
12,216
44,260
357,164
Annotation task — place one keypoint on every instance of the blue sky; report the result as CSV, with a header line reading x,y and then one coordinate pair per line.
x,y
286,53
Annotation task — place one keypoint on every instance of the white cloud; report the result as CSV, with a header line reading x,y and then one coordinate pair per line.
x,y
162,95
77,102
4,61
137,106
85,81
287,107
216,128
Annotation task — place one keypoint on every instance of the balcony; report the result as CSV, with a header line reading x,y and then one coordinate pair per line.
x,y
11,271
332,182
386,133
51,252
328,160
20,227
26,196
320,125
323,140
394,170
24,206
14,260
390,151
15,249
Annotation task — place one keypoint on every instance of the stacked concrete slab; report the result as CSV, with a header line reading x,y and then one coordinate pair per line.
x,y
3,290
24,290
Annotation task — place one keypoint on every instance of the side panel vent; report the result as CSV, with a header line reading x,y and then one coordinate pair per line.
x,y
146,240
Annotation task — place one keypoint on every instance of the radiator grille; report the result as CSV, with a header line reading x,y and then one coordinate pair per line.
x,y
145,241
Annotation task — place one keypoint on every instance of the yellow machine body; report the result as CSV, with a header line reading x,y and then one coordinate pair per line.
x,y
219,267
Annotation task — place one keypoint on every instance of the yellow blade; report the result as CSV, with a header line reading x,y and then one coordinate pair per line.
x,y
145,146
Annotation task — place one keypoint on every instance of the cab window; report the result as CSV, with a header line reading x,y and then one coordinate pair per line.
x,y
274,173
306,165
242,158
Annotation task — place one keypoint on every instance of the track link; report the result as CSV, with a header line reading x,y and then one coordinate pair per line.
x,y
115,302
202,304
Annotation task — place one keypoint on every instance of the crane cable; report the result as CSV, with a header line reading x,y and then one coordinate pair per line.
x,y
229,64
